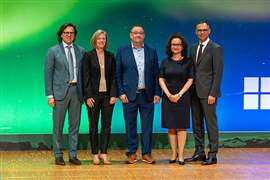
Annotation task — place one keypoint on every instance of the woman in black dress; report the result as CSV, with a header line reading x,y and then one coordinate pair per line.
x,y
175,78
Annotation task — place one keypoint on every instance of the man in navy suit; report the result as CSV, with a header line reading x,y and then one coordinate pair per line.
x,y
138,89
63,88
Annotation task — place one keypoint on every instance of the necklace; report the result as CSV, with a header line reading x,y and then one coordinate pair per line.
x,y
178,58
100,54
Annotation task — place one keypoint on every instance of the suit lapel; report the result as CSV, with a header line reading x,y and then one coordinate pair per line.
x,y
106,62
146,59
94,58
63,54
205,51
133,61
194,53
77,55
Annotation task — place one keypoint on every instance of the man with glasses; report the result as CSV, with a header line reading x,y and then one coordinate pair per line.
x,y
208,64
63,88
138,89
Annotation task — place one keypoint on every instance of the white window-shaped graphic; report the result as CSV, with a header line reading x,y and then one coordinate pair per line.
x,y
257,93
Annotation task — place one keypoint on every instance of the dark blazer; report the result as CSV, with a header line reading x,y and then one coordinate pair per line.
x,y
91,74
208,70
127,72
57,73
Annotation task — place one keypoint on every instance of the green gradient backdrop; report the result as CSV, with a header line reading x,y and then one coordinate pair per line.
x,y
28,29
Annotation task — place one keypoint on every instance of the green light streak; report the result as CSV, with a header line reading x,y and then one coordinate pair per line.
x,y
22,18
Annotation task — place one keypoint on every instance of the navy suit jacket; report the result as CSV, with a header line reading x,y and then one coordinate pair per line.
x,y
127,72
57,74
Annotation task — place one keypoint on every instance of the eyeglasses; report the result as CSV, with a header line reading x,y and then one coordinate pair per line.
x,y
68,33
136,33
176,45
202,30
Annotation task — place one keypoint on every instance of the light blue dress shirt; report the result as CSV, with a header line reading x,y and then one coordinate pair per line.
x,y
139,58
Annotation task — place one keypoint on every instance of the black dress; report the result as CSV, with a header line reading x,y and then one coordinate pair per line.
x,y
176,74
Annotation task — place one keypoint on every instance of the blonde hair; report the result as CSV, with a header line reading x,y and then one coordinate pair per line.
x,y
95,36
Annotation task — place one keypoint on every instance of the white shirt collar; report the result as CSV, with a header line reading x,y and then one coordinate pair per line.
x,y
205,42
133,47
65,44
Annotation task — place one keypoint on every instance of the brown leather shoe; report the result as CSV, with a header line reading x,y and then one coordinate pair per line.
x,y
148,159
131,158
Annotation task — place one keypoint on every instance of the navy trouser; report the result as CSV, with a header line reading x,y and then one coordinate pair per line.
x,y
146,110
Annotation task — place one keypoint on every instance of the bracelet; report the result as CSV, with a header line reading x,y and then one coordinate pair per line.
x,y
179,95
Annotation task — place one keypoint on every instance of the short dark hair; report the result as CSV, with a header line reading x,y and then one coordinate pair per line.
x,y
184,45
201,22
62,28
136,25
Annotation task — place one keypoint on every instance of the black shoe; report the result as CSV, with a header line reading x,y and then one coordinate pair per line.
x,y
196,157
181,162
60,161
171,161
75,161
210,161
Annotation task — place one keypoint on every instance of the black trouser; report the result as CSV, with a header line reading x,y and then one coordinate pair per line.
x,y
202,110
102,105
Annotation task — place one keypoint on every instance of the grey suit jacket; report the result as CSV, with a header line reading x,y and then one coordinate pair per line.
x,y
208,70
57,74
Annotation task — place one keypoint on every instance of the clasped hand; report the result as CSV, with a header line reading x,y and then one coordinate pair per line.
x,y
174,97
